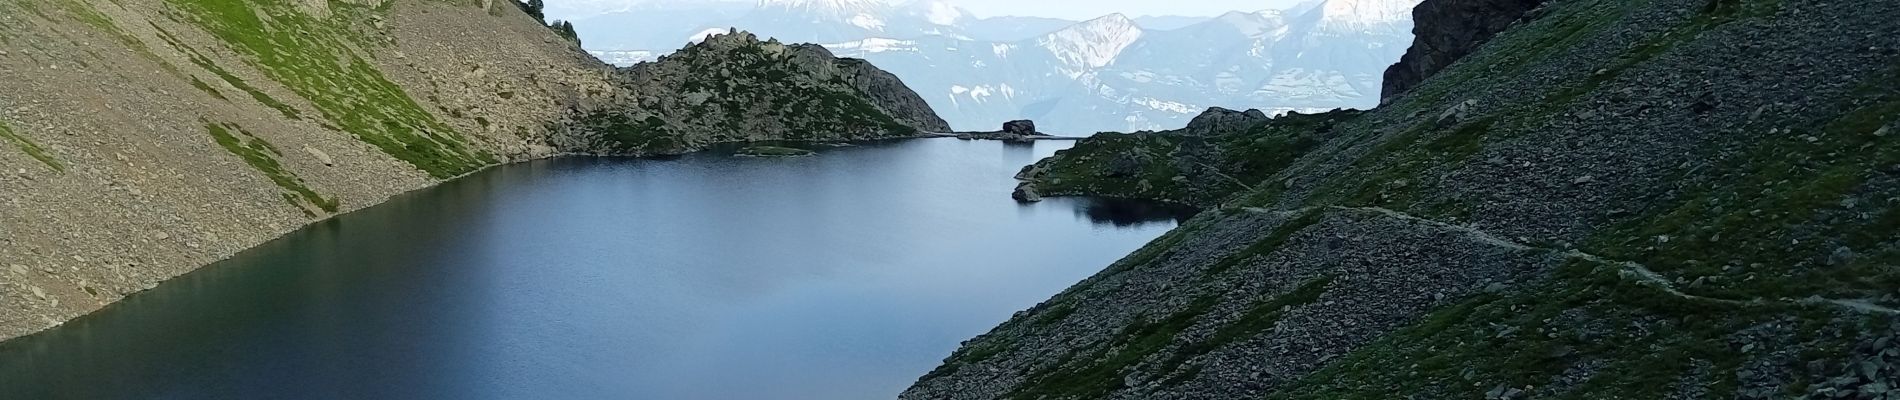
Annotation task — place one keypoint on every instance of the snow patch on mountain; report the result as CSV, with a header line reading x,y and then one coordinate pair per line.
x,y
709,32
1255,25
858,48
1364,16
867,21
624,57
938,12
1092,44
837,9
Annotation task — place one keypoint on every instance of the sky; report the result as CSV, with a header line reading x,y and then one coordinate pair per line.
x,y
1084,9
1069,9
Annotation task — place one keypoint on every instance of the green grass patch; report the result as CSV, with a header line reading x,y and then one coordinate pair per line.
x,y
317,59
200,84
201,61
30,148
262,156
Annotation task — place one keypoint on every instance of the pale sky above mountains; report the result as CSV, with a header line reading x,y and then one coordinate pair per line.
x,y
1068,9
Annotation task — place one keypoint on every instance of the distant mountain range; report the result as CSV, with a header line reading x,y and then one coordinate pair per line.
x,y
1112,73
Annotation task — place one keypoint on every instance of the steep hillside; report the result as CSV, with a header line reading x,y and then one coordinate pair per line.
x,y
1609,199
140,139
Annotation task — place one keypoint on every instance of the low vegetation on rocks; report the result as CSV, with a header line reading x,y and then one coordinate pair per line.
x,y
29,147
261,155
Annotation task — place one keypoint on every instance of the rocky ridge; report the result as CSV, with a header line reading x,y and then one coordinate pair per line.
x,y
1667,199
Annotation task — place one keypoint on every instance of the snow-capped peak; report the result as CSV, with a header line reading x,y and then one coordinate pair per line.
x,y
834,9
1253,24
1363,15
1094,43
939,12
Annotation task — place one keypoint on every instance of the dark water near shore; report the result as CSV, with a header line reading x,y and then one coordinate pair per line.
x,y
842,276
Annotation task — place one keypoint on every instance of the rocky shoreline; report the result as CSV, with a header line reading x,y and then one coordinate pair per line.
x,y
111,193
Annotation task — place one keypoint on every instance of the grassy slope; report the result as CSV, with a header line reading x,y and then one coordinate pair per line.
x,y
1629,340
322,61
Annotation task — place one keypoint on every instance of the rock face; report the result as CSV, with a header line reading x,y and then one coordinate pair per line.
x,y
734,87
891,95
1446,30
1612,200
161,136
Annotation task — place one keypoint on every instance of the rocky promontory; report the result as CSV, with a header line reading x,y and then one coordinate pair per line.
x,y
734,87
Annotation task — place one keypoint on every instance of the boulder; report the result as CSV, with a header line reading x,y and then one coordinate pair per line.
x,y
1020,127
320,156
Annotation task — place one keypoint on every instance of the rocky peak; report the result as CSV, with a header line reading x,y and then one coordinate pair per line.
x,y
1094,43
1446,30
735,87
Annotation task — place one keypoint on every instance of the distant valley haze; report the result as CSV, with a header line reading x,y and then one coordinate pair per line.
x,y
1076,67
1061,9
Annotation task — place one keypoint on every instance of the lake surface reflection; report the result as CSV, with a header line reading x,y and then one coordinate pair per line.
x,y
842,276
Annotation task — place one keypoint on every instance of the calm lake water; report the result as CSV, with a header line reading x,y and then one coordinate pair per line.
x,y
842,276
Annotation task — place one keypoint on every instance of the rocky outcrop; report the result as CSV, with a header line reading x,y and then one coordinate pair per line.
x,y
1444,31
1221,154
735,87
1220,121
891,95
1021,128
1611,200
